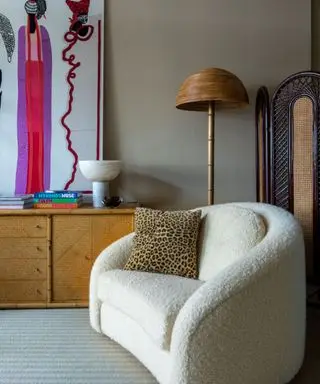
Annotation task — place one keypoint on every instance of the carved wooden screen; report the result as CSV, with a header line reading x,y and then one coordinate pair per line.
x,y
295,156
263,146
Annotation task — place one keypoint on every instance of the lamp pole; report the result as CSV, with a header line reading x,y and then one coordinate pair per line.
x,y
211,110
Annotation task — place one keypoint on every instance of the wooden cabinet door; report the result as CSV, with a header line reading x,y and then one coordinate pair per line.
x,y
76,241
108,228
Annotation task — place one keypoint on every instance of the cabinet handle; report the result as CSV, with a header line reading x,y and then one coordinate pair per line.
x,y
38,248
87,258
38,226
39,292
38,270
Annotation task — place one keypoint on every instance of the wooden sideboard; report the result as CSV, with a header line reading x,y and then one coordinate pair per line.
x,y
46,255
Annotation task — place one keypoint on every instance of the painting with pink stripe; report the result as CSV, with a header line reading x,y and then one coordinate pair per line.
x,y
51,93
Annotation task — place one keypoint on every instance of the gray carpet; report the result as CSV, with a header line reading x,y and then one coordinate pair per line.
x,y
58,346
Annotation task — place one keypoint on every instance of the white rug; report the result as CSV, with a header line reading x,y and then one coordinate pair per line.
x,y
56,346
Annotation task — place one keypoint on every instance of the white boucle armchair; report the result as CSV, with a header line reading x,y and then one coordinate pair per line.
x,y
242,322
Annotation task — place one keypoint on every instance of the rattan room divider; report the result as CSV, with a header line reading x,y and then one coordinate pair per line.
x,y
288,155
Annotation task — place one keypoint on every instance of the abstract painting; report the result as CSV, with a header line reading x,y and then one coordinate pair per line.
x,y
51,92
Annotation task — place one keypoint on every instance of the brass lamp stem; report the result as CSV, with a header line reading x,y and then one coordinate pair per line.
x,y
211,153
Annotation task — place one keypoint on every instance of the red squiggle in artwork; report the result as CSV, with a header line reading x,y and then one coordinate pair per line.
x,y
72,38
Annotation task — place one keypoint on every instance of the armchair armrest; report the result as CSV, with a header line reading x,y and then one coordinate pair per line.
x,y
114,256
252,313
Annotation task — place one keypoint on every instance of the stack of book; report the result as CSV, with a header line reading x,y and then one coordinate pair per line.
x,y
16,202
58,199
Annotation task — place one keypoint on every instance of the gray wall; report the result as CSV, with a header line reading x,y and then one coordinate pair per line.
x,y
151,47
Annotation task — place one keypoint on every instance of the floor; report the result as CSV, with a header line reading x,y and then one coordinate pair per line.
x,y
58,346
32,341
310,372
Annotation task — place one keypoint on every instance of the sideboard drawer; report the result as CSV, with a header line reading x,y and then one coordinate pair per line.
x,y
23,248
23,291
23,269
23,227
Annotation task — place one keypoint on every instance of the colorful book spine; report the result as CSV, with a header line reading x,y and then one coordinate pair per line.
x,y
57,195
57,201
55,206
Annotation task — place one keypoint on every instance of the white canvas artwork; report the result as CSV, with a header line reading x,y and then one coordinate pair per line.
x,y
51,87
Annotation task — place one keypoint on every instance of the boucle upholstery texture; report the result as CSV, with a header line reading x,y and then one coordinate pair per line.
x,y
153,300
244,325
165,242
128,333
227,230
113,257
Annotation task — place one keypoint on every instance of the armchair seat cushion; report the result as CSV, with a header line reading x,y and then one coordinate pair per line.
x,y
152,300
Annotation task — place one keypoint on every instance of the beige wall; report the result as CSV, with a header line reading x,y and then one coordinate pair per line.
x,y
151,46
316,35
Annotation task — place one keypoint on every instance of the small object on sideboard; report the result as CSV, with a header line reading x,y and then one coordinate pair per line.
x,y
100,173
58,199
112,202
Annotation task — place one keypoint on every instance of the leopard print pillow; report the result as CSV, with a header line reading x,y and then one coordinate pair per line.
x,y
165,242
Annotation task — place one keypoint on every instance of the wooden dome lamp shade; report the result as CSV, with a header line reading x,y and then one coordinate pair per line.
x,y
207,91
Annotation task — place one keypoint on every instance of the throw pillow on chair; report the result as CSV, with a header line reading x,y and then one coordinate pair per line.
x,y
165,242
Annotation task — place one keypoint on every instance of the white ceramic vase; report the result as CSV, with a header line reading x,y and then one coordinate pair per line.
x,y
100,173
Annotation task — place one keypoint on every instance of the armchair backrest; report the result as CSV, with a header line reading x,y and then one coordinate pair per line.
x,y
228,232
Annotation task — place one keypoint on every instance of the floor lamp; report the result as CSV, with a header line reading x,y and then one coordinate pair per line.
x,y
206,91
